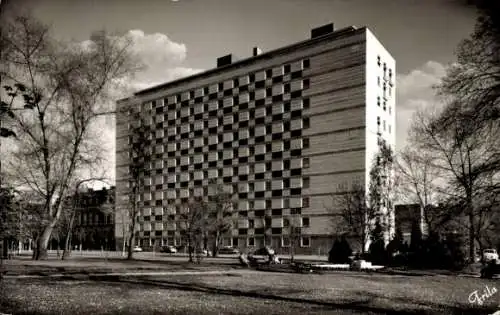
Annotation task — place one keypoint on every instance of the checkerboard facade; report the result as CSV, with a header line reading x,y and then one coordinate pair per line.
x,y
250,130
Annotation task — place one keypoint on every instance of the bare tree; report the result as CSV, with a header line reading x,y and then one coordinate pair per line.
x,y
419,183
220,210
356,213
475,78
360,209
192,224
68,85
73,203
466,154
293,229
139,167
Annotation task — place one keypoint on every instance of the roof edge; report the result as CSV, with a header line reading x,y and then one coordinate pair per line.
x,y
311,41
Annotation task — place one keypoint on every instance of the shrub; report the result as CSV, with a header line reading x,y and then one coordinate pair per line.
x,y
439,254
378,254
340,252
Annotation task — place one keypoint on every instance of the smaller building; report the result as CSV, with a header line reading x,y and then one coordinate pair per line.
x,y
405,216
94,220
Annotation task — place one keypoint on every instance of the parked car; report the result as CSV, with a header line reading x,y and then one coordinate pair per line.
x,y
263,255
168,249
137,249
228,251
489,255
203,252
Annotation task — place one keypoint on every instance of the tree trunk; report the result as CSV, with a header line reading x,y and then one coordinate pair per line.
x,y
190,249
67,241
130,253
40,252
67,247
472,237
215,250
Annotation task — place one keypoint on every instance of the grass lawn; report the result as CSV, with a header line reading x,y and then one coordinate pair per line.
x,y
260,293
100,265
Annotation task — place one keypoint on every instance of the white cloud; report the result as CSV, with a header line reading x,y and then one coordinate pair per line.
x,y
415,91
164,61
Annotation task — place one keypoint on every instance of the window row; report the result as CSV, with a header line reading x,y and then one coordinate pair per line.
x,y
385,127
175,239
278,124
278,93
251,209
276,75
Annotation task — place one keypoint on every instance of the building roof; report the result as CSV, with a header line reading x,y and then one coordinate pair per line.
x,y
241,63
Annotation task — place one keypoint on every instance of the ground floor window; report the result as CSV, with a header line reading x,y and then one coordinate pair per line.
x,y
285,241
251,241
305,241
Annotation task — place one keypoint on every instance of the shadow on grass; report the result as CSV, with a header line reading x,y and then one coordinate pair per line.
x,y
85,265
359,301
364,303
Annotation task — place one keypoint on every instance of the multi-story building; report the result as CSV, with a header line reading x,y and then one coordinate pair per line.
x,y
93,227
284,130
406,216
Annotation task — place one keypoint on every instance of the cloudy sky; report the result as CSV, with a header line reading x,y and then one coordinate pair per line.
x,y
178,38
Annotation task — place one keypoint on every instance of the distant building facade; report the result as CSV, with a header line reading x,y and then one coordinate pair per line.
x,y
282,130
94,225
406,215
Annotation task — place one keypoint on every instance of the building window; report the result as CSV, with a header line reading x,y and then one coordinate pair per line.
x,y
306,63
305,182
251,224
285,241
305,222
269,73
251,241
305,202
305,84
305,162
305,241
378,80
378,60
378,120
276,231
378,101
286,88
306,123
305,143
389,128
287,69
306,103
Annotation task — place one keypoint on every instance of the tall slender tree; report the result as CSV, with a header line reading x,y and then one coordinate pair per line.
x,y
220,210
139,167
467,156
68,85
